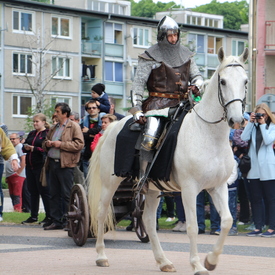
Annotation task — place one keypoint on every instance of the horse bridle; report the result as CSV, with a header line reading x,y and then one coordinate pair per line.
x,y
221,99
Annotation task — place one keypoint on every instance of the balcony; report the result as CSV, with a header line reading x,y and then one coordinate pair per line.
x,y
114,50
200,59
270,37
269,90
212,60
91,48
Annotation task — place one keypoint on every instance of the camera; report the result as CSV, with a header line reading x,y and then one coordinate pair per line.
x,y
258,116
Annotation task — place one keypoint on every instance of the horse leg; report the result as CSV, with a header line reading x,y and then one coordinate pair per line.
x,y
220,199
107,193
189,199
149,218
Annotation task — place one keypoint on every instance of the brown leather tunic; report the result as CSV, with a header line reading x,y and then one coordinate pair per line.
x,y
168,81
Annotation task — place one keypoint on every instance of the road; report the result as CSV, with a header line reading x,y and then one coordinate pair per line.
x,y
31,250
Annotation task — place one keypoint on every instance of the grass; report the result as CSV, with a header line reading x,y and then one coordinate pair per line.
x,y
17,218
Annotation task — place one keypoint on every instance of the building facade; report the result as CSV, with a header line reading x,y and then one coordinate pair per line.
x,y
64,50
262,41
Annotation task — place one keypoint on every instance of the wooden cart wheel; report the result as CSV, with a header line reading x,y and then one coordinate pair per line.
x,y
78,215
138,222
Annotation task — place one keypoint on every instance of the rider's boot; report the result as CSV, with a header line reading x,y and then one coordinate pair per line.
x,y
152,131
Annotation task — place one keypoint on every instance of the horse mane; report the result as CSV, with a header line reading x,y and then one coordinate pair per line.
x,y
94,185
227,61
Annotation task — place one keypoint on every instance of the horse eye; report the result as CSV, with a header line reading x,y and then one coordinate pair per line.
x,y
223,82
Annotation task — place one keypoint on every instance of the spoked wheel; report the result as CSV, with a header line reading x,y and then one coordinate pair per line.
x,y
137,218
78,215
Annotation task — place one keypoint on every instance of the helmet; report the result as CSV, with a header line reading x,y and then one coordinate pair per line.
x,y
167,25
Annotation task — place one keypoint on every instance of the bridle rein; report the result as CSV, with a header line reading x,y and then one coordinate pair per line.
x,y
221,99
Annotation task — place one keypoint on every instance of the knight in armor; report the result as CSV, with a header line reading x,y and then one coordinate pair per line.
x,y
165,69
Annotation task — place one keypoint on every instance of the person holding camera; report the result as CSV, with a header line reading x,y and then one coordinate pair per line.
x,y
261,130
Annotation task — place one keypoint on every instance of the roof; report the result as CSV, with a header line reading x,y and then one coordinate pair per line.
x,y
103,15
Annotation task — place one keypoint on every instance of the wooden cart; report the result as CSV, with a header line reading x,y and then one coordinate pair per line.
x,y
124,204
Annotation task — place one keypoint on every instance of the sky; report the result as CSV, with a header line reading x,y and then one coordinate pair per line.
x,y
194,3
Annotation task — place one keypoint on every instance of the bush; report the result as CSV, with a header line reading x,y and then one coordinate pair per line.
x,y
4,184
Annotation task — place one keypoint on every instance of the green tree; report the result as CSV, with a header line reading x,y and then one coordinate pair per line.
x,y
147,8
235,13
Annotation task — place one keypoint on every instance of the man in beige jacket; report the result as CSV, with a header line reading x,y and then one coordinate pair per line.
x,y
63,144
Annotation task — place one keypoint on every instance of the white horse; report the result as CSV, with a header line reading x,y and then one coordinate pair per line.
x,y
203,159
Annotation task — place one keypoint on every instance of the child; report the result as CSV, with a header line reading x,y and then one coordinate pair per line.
x,y
106,120
102,100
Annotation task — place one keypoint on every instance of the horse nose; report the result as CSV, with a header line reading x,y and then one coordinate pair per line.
x,y
231,123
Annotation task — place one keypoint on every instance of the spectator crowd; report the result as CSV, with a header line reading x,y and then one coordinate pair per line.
x,y
51,158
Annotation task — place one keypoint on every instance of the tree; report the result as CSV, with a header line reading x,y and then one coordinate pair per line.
x,y
235,13
42,80
147,8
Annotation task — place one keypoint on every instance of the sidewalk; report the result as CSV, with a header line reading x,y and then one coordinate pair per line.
x,y
8,207
31,250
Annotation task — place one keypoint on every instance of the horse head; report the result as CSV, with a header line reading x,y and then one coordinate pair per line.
x,y
232,86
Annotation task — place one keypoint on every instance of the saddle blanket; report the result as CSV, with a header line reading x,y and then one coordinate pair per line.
x,y
127,156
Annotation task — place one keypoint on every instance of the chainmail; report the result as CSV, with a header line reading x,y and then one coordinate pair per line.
x,y
172,55
145,65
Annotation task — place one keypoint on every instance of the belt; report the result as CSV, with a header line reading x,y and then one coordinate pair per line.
x,y
177,96
56,160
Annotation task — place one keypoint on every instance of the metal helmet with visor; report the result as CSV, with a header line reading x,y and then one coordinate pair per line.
x,y
167,26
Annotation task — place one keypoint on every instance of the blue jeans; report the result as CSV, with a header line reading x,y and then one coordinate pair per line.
x,y
1,191
232,202
214,215
179,208
159,209
85,165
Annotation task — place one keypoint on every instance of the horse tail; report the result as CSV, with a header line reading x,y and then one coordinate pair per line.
x,y
95,186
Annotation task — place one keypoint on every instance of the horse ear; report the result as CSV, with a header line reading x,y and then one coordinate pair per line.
x,y
221,54
244,55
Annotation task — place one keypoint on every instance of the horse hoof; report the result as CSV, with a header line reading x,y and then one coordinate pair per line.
x,y
201,273
168,268
209,266
102,263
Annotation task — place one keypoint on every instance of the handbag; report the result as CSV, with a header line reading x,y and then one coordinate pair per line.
x,y
245,162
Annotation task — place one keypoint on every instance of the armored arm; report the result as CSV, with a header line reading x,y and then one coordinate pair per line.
x,y
139,84
196,78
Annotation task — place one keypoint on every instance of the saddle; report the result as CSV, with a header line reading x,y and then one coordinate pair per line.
x,y
127,154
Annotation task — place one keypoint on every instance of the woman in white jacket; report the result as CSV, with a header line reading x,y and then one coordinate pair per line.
x,y
261,131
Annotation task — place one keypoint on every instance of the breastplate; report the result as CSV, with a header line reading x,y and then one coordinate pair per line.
x,y
166,79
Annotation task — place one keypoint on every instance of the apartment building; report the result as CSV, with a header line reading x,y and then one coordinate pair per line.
x,y
262,35
97,41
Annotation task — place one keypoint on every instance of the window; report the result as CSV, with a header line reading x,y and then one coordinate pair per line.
x,y
23,21
237,47
22,63
61,67
214,43
21,105
55,100
61,27
113,71
141,37
196,42
210,73
113,33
